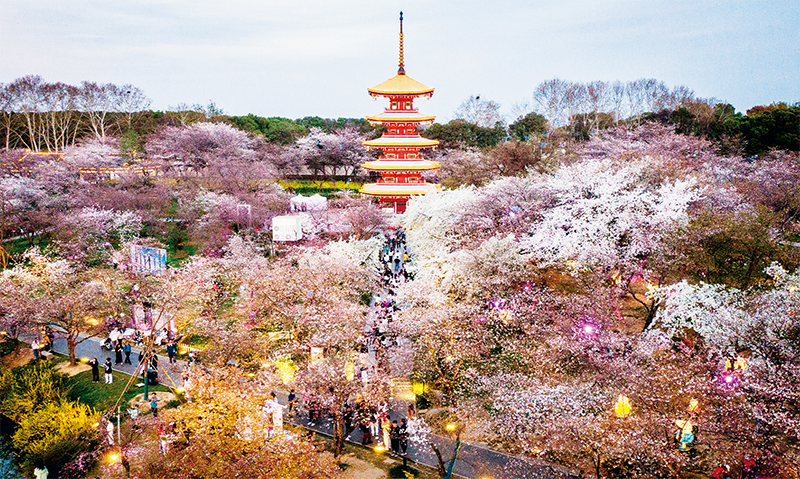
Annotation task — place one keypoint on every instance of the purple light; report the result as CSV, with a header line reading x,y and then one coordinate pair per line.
x,y
728,379
588,329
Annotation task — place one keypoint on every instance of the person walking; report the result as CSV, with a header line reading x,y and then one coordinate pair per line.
x,y
374,426
109,372
386,426
172,350
127,350
291,402
35,346
403,435
95,364
394,437
118,354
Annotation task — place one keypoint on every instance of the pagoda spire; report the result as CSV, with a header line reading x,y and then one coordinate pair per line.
x,y
400,69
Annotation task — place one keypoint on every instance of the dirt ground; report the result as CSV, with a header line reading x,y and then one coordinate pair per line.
x,y
361,469
72,370
162,397
20,358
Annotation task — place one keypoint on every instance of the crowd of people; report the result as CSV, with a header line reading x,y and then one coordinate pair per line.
x,y
374,423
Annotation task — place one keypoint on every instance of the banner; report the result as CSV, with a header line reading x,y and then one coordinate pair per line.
x,y
148,260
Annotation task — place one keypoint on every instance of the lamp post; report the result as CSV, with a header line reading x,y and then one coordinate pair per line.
x,y
450,464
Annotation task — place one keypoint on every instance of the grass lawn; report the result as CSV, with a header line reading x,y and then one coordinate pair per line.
x,y
324,188
102,396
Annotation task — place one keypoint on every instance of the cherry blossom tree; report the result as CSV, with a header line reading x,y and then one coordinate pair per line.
x,y
91,234
70,299
224,432
329,154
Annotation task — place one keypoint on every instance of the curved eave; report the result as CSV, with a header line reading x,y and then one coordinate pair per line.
x,y
396,165
401,85
398,189
399,141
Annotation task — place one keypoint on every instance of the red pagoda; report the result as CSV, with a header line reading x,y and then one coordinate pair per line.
x,y
401,164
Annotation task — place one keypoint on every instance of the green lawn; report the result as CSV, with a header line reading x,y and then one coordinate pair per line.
x,y
102,396
324,188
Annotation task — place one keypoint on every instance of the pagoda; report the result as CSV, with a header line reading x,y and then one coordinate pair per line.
x,y
401,164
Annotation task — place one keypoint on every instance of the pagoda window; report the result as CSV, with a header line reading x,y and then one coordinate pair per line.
x,y
394,105
408,105
392,131
391,155
413,180
389,179
412,155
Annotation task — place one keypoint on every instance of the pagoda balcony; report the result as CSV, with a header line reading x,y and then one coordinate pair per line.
x,y
401,110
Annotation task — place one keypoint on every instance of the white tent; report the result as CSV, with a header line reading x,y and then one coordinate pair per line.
x,y
308,203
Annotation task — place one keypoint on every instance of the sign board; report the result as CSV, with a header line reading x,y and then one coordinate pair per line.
x,y
148,260
316,354
287,228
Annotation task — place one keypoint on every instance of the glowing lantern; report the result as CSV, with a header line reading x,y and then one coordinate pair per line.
x,y
740,364
418,389
450,427
380,448
350,371
623,406
694,405
286,370
114,457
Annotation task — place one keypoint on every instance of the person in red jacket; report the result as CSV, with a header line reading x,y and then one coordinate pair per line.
x,y
722,472
748,463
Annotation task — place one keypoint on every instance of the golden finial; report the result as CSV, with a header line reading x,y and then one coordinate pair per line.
x,y
401,70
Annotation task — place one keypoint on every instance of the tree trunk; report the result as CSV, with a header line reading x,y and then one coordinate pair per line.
x,y
440,466
71,343
596,461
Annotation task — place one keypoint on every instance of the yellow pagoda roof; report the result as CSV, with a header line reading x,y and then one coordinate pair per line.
x,y
390,115
400,84
399,189
401,165
390,140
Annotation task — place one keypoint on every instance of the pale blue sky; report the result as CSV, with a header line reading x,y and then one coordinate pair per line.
x,y
295,58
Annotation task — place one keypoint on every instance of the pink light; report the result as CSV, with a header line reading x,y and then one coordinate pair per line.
x,y
728,379
588,329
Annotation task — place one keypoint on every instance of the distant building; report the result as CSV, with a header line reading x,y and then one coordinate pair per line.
x,y
401,165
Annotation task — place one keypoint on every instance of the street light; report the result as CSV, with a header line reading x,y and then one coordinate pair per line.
x,y
623,406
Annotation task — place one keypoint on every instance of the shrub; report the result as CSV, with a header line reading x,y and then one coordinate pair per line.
x,y
24,389
55,433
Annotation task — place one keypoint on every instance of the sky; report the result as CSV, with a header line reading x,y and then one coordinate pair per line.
x,y
296,58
